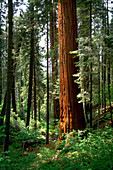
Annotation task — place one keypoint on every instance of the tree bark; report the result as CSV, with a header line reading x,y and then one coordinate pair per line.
x,y
0,55
3,111
39,110
90,67
9,74
109,68
31,66
35,103
71,112
13,87
47,134
54,58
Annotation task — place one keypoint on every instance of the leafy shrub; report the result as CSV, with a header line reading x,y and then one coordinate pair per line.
x,y
93,152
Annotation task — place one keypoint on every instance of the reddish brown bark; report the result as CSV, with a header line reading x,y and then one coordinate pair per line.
x,y
71,112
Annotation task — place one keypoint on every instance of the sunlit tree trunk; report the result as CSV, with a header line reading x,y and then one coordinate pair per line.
x,y
71,112
9,74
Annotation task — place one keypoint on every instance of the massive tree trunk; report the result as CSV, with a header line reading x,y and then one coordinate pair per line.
x,y
9,74
71,112
31,66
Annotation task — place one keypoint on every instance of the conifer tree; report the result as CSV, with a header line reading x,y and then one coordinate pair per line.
x,y
0,52
31,65
9,74
71,112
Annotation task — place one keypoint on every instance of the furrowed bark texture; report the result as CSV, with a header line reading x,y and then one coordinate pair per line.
x,y
71,112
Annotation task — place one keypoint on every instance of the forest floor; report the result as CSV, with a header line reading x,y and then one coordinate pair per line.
x,y
93,151
61,155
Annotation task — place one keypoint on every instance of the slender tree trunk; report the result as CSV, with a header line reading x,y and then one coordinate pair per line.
x,y
86,87
90,67
14,63
9,74
108,68
13,87
103,66
3,111
39,109
98,91
102,84
0,55
31,66
35,103
47,134
71,112
54,58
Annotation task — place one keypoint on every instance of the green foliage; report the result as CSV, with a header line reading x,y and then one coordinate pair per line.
x,y
95,152
16,160
16,123
2,135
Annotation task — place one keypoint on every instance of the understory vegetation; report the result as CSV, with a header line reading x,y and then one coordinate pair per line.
x,y
88,149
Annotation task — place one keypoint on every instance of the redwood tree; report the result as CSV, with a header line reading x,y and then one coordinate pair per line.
x,y
71,112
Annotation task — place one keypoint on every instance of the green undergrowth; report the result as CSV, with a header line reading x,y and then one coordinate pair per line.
x,y
94,151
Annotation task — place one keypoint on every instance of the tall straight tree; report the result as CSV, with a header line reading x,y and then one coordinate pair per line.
x,y
35,103
54,58
9,74
47,134
0,52
71,111
31,64
90,66
109,65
